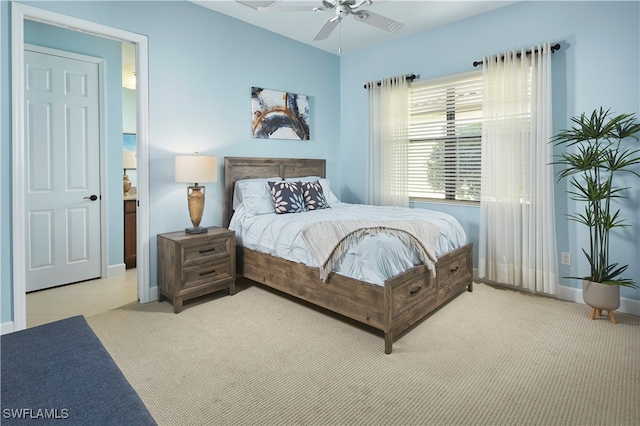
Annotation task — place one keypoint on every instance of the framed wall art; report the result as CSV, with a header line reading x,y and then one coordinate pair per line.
x,y
279,115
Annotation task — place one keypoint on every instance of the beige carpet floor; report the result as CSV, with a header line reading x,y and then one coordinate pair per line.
x,y
491,357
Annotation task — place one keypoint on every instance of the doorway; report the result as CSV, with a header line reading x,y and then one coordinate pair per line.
x,y
20,13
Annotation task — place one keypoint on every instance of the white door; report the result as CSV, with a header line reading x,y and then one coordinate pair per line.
x,y
62,170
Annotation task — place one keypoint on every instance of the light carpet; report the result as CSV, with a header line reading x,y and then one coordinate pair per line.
x,y
490,357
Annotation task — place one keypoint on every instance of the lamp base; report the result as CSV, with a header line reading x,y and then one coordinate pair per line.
x,y
197,230
126,184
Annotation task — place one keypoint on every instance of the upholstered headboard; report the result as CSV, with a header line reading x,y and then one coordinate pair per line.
x,y
237,168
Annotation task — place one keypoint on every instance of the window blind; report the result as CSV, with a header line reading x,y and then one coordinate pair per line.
x,y
445,130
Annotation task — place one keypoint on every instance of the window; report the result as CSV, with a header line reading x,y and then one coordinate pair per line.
x,y
445,132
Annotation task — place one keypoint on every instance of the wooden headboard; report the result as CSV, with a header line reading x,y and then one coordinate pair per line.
x,y
237,168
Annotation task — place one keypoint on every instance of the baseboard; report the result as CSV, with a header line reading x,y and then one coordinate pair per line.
x,y
116,270
153,294
570,294
628,306
6,327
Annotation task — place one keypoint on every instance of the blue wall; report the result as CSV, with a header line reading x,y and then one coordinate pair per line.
x,y
599,64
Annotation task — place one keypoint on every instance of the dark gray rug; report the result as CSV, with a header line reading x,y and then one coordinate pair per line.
x,y
60,373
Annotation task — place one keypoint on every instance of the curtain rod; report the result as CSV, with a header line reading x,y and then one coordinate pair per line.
x,y
528,52
409,77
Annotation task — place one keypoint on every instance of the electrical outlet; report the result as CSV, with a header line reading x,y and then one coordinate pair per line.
x,y
565,258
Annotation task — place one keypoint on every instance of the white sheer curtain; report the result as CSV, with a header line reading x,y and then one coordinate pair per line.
x,y
517,222
388,142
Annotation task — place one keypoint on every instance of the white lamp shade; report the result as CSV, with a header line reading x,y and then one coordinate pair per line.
x,y
129,160
196,168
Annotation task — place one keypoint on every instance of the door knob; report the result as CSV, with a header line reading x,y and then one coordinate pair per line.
x,y
92,198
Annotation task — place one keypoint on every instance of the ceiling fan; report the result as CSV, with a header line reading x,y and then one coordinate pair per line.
x,y
342,9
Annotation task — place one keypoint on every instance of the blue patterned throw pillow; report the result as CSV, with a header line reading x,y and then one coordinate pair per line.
x,y
287,197
314,198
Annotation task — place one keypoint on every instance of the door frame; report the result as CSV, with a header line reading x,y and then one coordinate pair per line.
x,y
20,13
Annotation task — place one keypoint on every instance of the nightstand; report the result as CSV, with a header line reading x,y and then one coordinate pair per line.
x,y
192,265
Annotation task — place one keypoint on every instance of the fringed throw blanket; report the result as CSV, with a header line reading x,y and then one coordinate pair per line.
x,y
329,240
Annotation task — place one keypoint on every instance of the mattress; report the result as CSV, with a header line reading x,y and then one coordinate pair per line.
x,y
375,259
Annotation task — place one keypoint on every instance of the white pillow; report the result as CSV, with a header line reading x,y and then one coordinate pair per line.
x,y
256,197
329,195
237,193
324,183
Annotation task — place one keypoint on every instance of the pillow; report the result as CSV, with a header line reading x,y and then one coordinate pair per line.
x,y
237,192
256,197
326,188
287,197
328,194
314,198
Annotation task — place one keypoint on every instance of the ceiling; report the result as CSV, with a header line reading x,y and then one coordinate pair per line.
x,y
350,35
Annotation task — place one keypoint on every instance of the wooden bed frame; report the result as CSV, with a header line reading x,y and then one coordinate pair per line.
x,y
403,300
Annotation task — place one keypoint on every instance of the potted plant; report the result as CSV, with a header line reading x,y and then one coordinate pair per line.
x,y
597,156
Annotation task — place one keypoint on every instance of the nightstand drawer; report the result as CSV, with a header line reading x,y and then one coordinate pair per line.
x,y
207,250
210,273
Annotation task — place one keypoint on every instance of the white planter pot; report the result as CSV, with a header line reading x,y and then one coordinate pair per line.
x,y
601,296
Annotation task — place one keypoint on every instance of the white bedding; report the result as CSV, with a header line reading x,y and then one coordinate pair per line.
x,y
376,259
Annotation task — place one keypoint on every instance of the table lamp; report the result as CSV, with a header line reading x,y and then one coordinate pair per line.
x,y
196,169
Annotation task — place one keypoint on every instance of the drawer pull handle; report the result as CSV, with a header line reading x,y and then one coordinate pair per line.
x,y
454,269
207,250
415,290
207,273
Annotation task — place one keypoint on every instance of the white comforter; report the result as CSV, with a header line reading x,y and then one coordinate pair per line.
x,y
376,259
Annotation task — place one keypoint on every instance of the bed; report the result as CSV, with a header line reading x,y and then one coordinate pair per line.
x,y
393,307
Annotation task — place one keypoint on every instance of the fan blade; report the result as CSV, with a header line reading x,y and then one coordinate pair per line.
x,y
378,21
291,9
327,28
329,4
